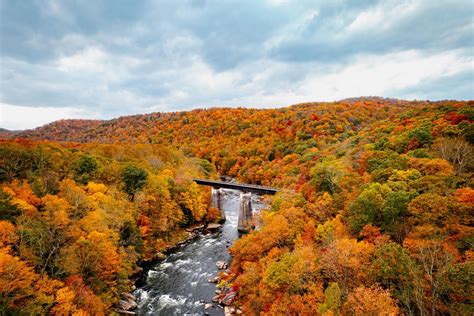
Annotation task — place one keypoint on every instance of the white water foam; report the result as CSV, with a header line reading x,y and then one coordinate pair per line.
x,y
180,262
166,265
166,301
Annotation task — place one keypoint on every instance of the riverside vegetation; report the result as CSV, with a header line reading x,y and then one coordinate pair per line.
x,y
377,218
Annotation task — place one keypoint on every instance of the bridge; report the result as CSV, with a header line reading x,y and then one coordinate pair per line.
x,y
257,189
245,210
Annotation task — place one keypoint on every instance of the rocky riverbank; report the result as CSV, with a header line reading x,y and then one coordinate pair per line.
x,y
225,295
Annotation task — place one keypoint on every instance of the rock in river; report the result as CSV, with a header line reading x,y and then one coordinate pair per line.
x,y
213,226
228,298
221,265
127,304
212,280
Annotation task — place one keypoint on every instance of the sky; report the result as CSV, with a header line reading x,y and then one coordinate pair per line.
x,y
104,59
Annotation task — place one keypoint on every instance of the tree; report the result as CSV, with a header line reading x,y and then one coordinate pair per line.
x,y
327,175
277,274
8,210
422,135
434,260
56,211
76,197
130,236
332,300
373,301
430,208
14,161
40,243
93,257
85,168
21,289
367,208
393,268
457,284
134,179
346,261
65,303
77,299
8,234
457,151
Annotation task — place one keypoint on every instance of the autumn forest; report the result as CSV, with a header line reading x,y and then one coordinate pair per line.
x,y
374,216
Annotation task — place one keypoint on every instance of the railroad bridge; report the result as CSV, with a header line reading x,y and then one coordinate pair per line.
x,y
246,190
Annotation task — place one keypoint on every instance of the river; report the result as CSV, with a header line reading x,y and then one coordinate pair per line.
x,y
179,284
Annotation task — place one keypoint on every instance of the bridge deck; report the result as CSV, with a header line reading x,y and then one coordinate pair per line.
x,y
259,189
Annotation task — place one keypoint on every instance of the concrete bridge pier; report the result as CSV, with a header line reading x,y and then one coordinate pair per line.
x,y
245,212
216,201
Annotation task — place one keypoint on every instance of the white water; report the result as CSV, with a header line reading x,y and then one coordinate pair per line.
x,y
179,285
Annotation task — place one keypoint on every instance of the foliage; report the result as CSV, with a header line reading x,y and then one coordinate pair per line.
x,y
85,169
8,210
370,301
375,215
72,250
134,179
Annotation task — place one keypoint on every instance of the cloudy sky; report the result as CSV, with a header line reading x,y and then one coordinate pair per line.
x,y
103,59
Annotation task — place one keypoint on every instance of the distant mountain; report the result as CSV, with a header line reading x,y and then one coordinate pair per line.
x,y
60,130
145,127
5,133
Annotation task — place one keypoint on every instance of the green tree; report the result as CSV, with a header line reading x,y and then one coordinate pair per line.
x,y
40,244
327,175
367,208
394,208
332,299
134,179
130,236
422,135
85,169
8,210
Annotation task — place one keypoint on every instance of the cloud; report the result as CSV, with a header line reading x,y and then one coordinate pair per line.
x,y
386,75
20,117
382,17
122,58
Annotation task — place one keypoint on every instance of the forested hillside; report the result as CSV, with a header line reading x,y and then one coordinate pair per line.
x,y
378,218
75,220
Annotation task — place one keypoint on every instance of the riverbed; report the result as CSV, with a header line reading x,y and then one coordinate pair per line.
x,y
179,284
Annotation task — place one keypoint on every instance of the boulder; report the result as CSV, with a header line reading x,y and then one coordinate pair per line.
x,y
127,304
221,265
208,305
160,256
138,270
124,312
216,299
229,311
213,226
128,296
229,298
195,228
212,280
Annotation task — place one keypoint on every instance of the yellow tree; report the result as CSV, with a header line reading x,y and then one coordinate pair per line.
x,y
372,301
